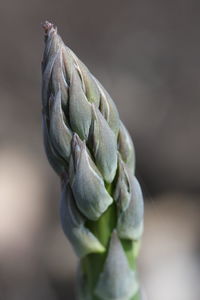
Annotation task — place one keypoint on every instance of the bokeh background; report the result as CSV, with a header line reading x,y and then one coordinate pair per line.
x,y
147,55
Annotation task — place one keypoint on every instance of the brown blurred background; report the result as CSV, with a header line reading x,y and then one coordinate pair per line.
x,y
146,53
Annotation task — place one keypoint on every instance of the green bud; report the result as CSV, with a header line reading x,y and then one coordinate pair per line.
x,y
69,63
87,184
117,281
104,145
122,192
130,221
58,79
73,223
108,109
53,44
55,161
79,108
45,81
126,148
59,133
90,87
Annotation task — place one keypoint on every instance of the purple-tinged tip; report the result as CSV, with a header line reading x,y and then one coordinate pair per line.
x,y
47,26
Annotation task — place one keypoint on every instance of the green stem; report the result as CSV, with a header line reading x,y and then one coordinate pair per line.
x,y
136,297
92,264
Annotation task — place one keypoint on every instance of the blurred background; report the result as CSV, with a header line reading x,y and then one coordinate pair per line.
x,y
146,54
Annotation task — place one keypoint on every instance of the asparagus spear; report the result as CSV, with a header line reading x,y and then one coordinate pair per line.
x,y
92,152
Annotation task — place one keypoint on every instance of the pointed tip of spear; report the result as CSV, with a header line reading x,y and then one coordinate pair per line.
x,y
47,26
